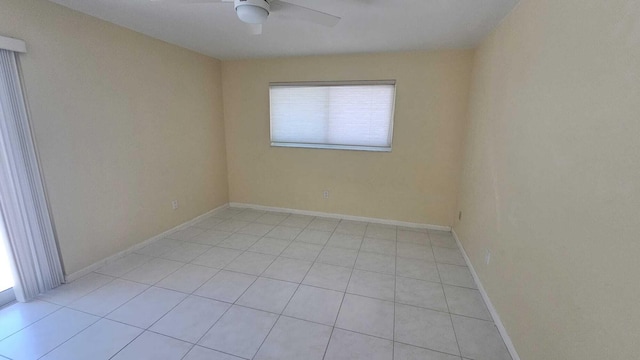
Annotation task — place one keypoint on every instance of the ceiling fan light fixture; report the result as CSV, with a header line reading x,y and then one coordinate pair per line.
x,y
252,11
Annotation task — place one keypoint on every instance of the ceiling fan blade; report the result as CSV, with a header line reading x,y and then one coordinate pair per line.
x,y
191,1
254,29
303,13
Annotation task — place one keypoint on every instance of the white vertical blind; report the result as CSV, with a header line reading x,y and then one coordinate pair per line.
x,y
23,202
343,115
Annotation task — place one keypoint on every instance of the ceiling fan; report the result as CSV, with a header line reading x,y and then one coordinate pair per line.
x,y
255,12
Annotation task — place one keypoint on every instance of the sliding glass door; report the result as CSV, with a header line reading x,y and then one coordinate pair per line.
x,y
6,276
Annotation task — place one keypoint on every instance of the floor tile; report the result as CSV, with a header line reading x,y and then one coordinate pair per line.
x,y
191,319
314,236
379,246
153,271
152,346
415,251
456,275
256,229
479,339
201,353
345,241
217,257
208,223
239,241
211,237
371,284
146,308
408,352
367,316
323,224
315,304
376,231
338,256
186,252
443,239
328,277
231,225
299,221
99,341
425,328
408,236
227,213
351,228
240,331
284,232
20,315
417,269
347,345
44,335
376,262
109,297
188,278
271,218
467,302
249,215
270,246
186,233
302,251
414,229
420,293
123,265
67,293
268,295
293,339
288,269
448,256
251,263
158,247
226,286
310,296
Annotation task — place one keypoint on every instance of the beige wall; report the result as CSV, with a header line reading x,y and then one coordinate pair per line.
x,y
551,181
124,124
417,182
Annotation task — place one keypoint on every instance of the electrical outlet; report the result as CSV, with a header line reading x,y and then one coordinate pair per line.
x,y
325,194
174,204
460,215
487,256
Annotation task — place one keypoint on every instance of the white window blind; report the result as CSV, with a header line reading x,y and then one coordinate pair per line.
x,y
355,115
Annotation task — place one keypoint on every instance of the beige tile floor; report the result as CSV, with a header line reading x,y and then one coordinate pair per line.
x,y
248,284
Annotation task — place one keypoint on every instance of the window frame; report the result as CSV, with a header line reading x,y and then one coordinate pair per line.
x,y
336,146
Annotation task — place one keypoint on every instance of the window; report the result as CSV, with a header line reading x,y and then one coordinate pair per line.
x,y
354,115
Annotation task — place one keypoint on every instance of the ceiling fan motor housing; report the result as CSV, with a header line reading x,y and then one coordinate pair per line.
x,y
252,11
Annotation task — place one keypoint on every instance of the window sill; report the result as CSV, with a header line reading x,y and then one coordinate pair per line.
x,y
332,147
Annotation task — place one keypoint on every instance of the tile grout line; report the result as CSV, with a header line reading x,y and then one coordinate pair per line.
x,y
455,335
33,323
71,337
299,284
315,286
395,291
344,294
230,306
271,312
143,330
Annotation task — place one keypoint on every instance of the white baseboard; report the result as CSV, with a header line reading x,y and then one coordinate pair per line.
x,y
341,216
95,266
487,301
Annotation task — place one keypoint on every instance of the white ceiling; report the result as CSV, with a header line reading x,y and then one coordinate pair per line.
x,y
366,25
